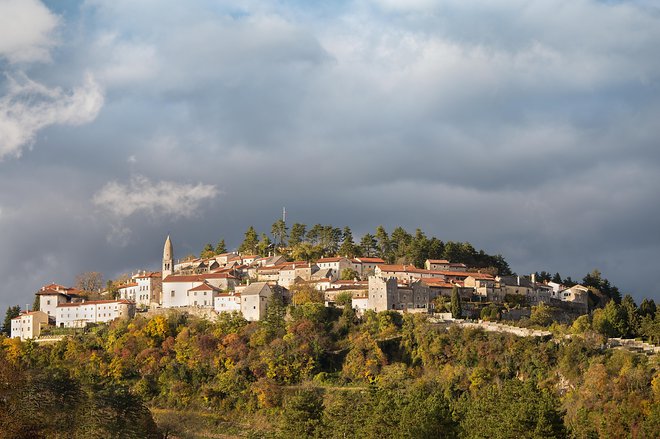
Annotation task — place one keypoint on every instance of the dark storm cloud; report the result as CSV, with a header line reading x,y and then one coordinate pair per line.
x,y
528,129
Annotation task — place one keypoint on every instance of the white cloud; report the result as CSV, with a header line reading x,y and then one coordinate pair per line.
x,y
30,106
25,30
161,198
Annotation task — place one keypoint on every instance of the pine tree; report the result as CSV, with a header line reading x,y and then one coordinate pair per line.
x,y
279,232
297,234
384,246
265,245
348,248
221,247
249,245
368,245
207,252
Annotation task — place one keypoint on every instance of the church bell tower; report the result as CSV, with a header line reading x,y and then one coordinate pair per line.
x,y
168,258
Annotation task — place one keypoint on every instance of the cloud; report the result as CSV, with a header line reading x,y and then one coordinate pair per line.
x,y
25,30
30,106
161,198
519,126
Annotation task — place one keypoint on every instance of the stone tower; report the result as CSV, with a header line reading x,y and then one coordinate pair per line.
x,y
168,258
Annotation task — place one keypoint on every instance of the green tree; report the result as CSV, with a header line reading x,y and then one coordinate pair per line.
x,y
221,248
265,245
418,250
349,274
36,304
329,240
305,251
301,414
12,311
348,247
279,231
207,252
344,299
436,248
647,308
384,246
368,245
456,310
595,280
314,234
302,293
400,239
629,309
274,320
426,414
610,321
514,410
581,325
250,242
297,234
541,315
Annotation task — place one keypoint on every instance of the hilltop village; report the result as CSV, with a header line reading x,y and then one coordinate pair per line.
x,y
248,284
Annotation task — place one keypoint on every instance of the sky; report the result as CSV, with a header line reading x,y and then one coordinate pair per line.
x,y
530,129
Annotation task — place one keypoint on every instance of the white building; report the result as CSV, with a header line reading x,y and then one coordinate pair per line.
x,y
227,302
576,293
202,295
292,272
78,315
50,299
28,325
128,291
337,265
176,287
149,287
360,303
254,300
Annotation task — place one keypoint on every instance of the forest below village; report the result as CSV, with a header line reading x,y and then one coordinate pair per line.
x,y
319,372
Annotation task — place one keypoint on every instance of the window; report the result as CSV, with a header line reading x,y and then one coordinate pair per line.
x,y
48,302
172,293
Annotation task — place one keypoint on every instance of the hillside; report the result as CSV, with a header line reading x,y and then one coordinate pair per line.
x,y
314,371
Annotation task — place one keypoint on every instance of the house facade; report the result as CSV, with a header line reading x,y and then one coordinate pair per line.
x,y
255,299
79,315
28,325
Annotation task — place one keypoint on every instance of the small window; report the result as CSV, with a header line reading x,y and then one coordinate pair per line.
x,y
172,293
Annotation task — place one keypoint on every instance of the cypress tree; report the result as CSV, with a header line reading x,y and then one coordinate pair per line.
x,y
456,311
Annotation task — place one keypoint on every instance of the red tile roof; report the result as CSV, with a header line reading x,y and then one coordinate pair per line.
x,y
50,292
371,260
204,287
183,278
432,282
396,267
335,259
216,276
